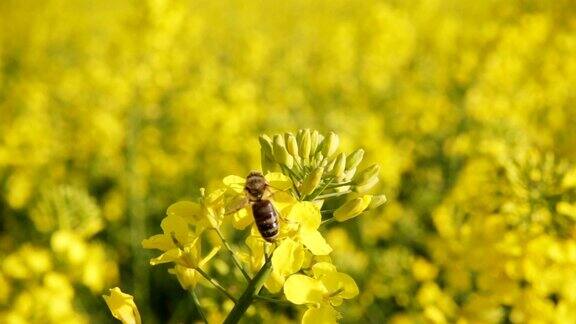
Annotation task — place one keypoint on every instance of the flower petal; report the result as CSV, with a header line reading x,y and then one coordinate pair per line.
x,y
159,241
187,277
168,256
336,300
300,289
288,257
177,225
340,281
214,216
215,196
242,219
274,282
312,218
307,214
122,306
322,269
314,241
352,208
190,211
278,181
256,252
283,201
324,314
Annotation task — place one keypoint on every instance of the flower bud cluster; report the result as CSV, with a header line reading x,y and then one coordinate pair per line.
x,y
319,171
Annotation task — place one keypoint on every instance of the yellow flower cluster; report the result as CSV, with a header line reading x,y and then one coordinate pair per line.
x,y
511,251
296,260
39,281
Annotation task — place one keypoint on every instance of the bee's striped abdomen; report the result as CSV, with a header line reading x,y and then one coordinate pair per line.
x,y
266,219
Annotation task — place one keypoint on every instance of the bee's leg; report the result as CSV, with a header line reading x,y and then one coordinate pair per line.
x,y
278,213
282,217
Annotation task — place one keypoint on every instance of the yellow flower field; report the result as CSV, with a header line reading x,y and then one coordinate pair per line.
x,y
419,160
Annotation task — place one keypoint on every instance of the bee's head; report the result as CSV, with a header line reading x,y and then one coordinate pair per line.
x,y
255,185
254,174
253,195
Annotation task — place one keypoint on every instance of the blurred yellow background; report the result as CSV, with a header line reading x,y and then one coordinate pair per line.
x,y
112,110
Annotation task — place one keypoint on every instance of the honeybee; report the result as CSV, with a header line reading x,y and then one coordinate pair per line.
x,y
265,215
266,218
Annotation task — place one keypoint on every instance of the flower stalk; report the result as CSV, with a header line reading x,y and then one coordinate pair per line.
x,y
216,284
197,305
250,293
234,259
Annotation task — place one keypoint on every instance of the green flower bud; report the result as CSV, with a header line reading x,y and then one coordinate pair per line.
x,y
365,186
354,159
367,174
349,174
339,166
278,140
267,162
366,179
281,155
266,144
312,181
266,156
291,145
352,208
377,201
329,165
318,158
305,144
315,140
299,134
330,144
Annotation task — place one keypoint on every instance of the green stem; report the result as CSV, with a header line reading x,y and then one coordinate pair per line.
x,y
289,173
298,165
272,300
342,184
334,194
332,219
216,284
197,304
250,293
236,262
328,221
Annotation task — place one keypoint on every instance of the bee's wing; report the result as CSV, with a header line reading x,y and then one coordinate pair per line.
x,y
235,204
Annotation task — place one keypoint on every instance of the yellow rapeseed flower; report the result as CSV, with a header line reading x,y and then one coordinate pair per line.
x,y
122,306
326,289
